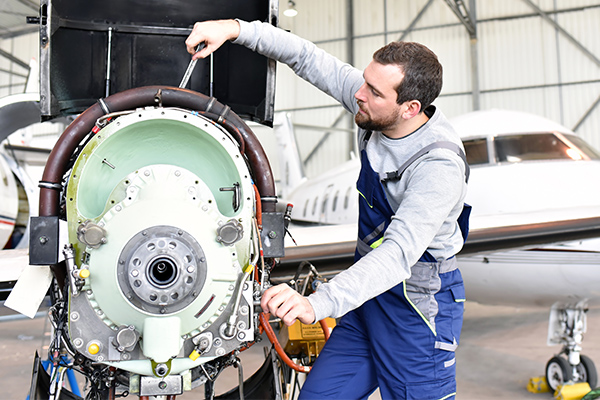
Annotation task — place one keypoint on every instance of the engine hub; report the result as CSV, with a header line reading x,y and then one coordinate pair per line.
x,y
161,269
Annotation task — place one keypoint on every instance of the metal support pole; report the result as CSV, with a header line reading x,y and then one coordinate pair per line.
x,y
350,58
468,17
476,98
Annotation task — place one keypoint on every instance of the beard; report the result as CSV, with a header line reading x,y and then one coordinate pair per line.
x,y
364,121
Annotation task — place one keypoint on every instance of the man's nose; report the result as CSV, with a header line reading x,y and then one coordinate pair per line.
x,y
359,95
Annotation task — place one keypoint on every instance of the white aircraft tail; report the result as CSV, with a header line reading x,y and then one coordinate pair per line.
x,y
290,163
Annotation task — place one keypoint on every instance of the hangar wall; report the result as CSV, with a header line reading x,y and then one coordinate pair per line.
x,y
524,62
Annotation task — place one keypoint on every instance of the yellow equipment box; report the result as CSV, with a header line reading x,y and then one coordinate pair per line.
x,y
306,339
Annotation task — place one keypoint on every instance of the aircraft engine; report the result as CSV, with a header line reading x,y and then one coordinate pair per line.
x,y
157,186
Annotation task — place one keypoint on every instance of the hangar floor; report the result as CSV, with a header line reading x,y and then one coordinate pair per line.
x,y
501,348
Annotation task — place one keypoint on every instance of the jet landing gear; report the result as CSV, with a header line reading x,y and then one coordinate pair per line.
x,y
567,326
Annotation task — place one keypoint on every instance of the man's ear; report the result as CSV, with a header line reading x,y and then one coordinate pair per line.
x,y
413,107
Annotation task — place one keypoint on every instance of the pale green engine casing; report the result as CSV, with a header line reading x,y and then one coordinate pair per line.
x,y
152,180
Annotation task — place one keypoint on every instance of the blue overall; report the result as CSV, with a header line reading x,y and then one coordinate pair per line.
x,y
404,340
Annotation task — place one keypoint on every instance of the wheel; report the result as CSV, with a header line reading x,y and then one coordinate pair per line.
x,y
587,371
558,371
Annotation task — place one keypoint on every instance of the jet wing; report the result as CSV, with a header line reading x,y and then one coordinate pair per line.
x,y
332,246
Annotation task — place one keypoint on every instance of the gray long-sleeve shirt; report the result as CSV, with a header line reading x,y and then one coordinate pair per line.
x,y
428,198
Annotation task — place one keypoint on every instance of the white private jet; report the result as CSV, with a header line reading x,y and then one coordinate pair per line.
x,y
534,224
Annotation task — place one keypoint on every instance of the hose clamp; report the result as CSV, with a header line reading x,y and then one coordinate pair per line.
x,y
210,104
225,111
104,106
50,185
269,199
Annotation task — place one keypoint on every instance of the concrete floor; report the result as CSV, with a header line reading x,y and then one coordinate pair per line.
x,y
501,348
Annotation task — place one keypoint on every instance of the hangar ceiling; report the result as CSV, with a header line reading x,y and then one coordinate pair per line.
x,y
13,17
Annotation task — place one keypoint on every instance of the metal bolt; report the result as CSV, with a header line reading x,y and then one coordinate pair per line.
x,y
147,173
162,385
78,342
241,336
74,316
272,234
135,273
43,240
161,370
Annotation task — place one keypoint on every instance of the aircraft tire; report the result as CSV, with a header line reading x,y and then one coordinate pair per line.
x,y
587,370
558,371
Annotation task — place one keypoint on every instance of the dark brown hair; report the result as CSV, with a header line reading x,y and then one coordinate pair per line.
x,y
422,71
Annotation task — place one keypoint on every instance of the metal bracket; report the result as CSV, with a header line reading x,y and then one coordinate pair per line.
x,y
272,234
43,241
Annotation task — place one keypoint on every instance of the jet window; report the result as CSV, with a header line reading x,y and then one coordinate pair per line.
x,y
314,209
335,199
324,204
583,147
528,147
347,198
476,151
305,208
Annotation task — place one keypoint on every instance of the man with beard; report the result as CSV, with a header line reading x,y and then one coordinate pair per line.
x,y
402,300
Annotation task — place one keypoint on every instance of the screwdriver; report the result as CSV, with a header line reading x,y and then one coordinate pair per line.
x,y
190,68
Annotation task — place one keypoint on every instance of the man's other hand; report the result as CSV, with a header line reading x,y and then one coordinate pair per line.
x,y
287,304
213,34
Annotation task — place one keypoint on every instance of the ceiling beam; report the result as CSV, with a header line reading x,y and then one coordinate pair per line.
x,y
415,20
459,8
14,59
566,34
